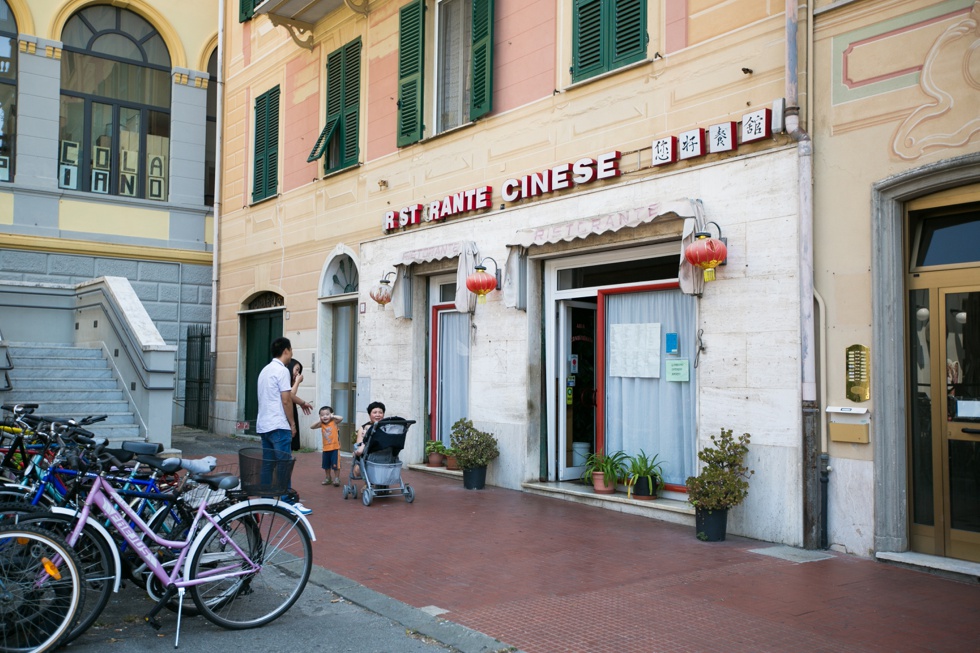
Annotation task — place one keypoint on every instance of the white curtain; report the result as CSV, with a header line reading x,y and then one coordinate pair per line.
x,y
453,370
455,18
654,414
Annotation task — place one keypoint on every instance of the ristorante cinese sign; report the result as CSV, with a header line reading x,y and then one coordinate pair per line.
x,y
563,176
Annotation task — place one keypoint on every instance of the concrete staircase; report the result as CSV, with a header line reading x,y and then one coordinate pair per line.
x,y
73,382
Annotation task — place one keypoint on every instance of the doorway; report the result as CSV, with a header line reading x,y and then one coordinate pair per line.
x,y
449,358
943,317
343,372
260,330
577,353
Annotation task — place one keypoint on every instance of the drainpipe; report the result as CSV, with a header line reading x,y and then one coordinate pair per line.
x,y
810,410
216,209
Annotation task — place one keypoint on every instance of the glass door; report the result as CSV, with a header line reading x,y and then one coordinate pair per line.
x,y
576,356
945,421
961,441
343,375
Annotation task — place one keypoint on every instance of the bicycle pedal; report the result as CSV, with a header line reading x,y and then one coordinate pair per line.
x,y
152,621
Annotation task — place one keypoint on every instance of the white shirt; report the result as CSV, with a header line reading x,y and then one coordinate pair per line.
x,y
273,381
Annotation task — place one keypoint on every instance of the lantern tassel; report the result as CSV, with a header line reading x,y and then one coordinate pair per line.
x,y
709,274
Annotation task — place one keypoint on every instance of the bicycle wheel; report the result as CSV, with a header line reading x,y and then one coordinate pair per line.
x,y
11,512
40,589
274,538
98,566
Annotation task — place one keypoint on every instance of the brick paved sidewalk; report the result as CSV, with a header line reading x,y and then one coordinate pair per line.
x,y
548,575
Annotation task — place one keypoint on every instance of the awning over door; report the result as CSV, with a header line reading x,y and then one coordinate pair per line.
x,y
465,251
569,230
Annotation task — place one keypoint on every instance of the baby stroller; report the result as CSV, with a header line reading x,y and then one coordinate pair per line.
x,y
380,468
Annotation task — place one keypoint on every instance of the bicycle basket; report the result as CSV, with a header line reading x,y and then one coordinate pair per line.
x,y
265,472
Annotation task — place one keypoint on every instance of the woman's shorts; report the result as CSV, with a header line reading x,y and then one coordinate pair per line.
x,y
330,459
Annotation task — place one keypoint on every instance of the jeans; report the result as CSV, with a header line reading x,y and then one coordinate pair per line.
x,y
279,440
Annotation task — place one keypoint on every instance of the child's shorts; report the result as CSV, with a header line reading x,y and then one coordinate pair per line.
x,y
330,459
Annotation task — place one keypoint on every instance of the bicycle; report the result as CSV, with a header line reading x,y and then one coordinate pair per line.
x,y
244,567
40,589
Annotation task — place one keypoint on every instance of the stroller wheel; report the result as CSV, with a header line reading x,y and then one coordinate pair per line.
x,y
345,492
409,494
367,496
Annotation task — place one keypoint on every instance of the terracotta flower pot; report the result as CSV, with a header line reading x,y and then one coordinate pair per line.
x,y
599,485
435,460
451,463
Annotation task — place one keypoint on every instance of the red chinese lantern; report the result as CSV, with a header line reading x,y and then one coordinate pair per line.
x,y
381,293
481,283
706,253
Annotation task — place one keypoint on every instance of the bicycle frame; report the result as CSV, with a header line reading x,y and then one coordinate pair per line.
x,y
103,496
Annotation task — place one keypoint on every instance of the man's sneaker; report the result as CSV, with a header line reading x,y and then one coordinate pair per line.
x,y
303,510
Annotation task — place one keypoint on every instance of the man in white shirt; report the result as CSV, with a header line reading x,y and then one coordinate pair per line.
x,y
274,423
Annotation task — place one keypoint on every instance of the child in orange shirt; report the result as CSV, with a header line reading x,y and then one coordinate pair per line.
x,y
331,444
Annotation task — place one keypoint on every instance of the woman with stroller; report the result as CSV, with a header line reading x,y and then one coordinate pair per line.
x,y
376,412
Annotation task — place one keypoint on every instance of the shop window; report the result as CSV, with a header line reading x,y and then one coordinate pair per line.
x,y
211,129
115,105
337,142
8,91
463,58
246,9
265,172
606,35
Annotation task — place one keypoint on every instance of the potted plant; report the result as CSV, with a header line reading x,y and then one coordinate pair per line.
x,y
434,450
474,451
605,470
451,461
722,483
644,476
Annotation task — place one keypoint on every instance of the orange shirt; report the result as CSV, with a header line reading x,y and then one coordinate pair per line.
x,y
330,435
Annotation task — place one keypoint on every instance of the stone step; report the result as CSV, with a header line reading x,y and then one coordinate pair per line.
x,y
41,350
76,409
46,382
25,372
48,395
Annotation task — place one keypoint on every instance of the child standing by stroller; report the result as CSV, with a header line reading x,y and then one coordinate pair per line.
x,y
330,435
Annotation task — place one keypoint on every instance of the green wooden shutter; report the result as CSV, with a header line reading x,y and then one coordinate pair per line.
x,y
411,61
323,140
265,170
629,33
258,164
335,103
587,39
351,103
272,145
246,9
481,61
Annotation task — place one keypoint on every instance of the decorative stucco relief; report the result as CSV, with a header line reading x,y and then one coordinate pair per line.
x,y
951,77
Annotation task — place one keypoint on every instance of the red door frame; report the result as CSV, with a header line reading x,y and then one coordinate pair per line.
x,y
600,356
434,349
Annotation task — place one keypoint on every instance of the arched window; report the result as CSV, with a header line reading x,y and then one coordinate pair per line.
x,y
8,90
211,129
115,105
341,277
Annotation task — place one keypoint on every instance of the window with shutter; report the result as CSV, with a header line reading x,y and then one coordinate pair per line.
x,y
481,97
265,171
607,34
338,142
246,9
411,63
